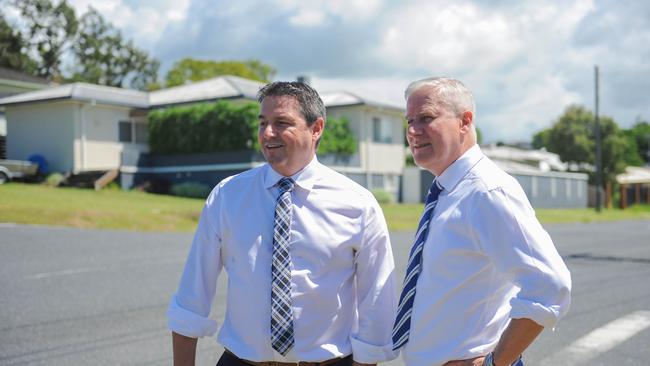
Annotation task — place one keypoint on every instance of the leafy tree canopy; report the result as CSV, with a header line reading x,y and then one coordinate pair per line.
x,y
106,58
100,54
572,137
50,31
13,49
639,136
188,70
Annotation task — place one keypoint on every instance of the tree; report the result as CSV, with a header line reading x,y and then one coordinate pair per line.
x,y
189,69
13,49
572,137
542,139
639,136
50,29
105,58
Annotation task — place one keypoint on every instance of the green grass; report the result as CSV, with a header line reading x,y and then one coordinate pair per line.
x,y
108,209
553,216
115,209
406,217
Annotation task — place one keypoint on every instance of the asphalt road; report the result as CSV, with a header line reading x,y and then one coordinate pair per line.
x,y
79,297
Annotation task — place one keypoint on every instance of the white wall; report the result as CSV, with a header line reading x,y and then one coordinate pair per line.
x,y
72,136
97,145
42,128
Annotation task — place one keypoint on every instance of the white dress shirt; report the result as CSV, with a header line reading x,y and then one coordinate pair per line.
x,y
342,287
486,260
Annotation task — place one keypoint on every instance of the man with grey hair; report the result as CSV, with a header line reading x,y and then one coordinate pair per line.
x,y
483,277
307,252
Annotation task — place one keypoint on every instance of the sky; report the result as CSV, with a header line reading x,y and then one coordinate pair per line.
x,y
525,61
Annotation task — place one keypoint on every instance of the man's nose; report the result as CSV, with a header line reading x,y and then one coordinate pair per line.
x,y
413,130
267,131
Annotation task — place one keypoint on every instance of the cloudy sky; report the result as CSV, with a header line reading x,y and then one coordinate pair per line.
x,y
525,61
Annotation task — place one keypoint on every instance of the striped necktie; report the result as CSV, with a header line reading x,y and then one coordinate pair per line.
x,y
281,314
402,326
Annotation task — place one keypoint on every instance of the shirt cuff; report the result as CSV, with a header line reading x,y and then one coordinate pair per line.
x,y
546,316
368,353
188,323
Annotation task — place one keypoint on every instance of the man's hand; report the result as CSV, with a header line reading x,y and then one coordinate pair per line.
x,y
477,361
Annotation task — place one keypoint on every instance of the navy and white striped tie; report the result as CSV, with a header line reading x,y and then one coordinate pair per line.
x,y
281,314
402,326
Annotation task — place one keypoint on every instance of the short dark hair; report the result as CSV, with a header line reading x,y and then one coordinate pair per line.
x,y
311,106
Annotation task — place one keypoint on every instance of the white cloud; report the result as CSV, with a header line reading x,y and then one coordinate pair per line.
x,y
144,23
525,61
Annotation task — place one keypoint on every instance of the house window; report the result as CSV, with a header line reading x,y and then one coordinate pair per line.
x,y
131,132
381,131
378,181
126,133
141,133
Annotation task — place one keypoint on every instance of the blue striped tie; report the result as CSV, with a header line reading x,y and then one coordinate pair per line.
x,y
281,314
402,326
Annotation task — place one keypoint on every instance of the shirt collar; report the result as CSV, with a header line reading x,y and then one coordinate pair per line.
x,y
459,168
304,179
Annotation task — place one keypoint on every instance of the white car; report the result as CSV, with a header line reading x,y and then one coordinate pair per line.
x,y
11,169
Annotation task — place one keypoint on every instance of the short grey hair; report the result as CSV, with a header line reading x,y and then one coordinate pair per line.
x,y
453,94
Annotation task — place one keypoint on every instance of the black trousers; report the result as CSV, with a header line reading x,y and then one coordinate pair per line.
x,y
228,359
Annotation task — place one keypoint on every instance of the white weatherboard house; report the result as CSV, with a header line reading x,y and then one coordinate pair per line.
x,y
82,127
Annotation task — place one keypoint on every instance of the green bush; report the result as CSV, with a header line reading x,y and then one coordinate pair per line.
x,y
226,126
337,138
54,180
382,196
204,127
191,189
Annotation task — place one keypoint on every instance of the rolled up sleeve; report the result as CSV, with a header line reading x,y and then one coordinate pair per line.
x,y
189,309
376,292
520,248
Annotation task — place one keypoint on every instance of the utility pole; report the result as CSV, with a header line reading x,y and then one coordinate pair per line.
x,y
599,163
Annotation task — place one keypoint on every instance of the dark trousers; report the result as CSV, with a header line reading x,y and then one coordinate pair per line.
x,y
228,359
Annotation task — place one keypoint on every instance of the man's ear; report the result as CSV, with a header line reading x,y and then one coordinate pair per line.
x,y
466,121
317,128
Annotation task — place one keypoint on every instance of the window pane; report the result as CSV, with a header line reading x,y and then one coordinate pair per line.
x,y
386,132
125,131
376,129
141,133
378,181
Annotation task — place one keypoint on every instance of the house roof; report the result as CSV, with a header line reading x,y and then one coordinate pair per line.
x,y
83,92
15,75
222,87
543,159
634,174
344,98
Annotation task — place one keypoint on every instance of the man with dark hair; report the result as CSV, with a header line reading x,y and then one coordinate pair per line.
x,y
483,277
307,252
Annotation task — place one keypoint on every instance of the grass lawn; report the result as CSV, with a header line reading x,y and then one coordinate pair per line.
x,y
130,210
107,209
406,217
